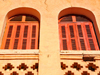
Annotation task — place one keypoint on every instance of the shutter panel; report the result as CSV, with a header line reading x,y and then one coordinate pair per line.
x,y
77,33
90,36
72,36
81,36
64,40
25,36
7,44
16,36
7,39
63,37
34,35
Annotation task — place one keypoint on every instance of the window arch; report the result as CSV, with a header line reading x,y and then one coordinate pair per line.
x,y
21,32
77,33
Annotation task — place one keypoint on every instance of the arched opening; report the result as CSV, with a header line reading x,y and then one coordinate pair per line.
x,y
77,30
22,29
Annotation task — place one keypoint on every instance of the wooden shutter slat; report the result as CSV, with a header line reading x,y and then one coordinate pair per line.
x,y
10,31
88,30
73,44
25,31
71,31
18,31
82,44
33,31
91,44
7,44
15,44
65,44
33,44
63,32
24,43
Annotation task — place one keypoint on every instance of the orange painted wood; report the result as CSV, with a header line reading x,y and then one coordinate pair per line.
x,y
18,41
79,35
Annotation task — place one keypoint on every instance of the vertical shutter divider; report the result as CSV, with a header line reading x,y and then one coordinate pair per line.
x,y
37,31
93,37
86,37
60,35
21,36
78,38
13,36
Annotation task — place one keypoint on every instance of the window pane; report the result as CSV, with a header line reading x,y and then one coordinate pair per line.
x,y
67,19
17,18
30,18
81,18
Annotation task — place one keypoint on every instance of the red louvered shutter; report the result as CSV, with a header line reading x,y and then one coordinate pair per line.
x,y
78,34
21,36
63,37
90,36
81,36
34,35
72,36
7,40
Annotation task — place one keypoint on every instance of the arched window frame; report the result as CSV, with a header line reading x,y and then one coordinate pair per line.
x,y
15,24
73,22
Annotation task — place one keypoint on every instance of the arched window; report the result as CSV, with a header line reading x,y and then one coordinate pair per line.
x,y
77,33
21,32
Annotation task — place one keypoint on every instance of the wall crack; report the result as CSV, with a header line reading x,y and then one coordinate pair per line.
x,y
45,2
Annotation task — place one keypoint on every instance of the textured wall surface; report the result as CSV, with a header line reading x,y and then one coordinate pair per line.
x,y
49,47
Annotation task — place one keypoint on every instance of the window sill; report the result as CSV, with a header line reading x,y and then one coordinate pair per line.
x,y
78,55
73,52
18,51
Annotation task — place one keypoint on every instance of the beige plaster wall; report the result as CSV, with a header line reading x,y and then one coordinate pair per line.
x,y
49,49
